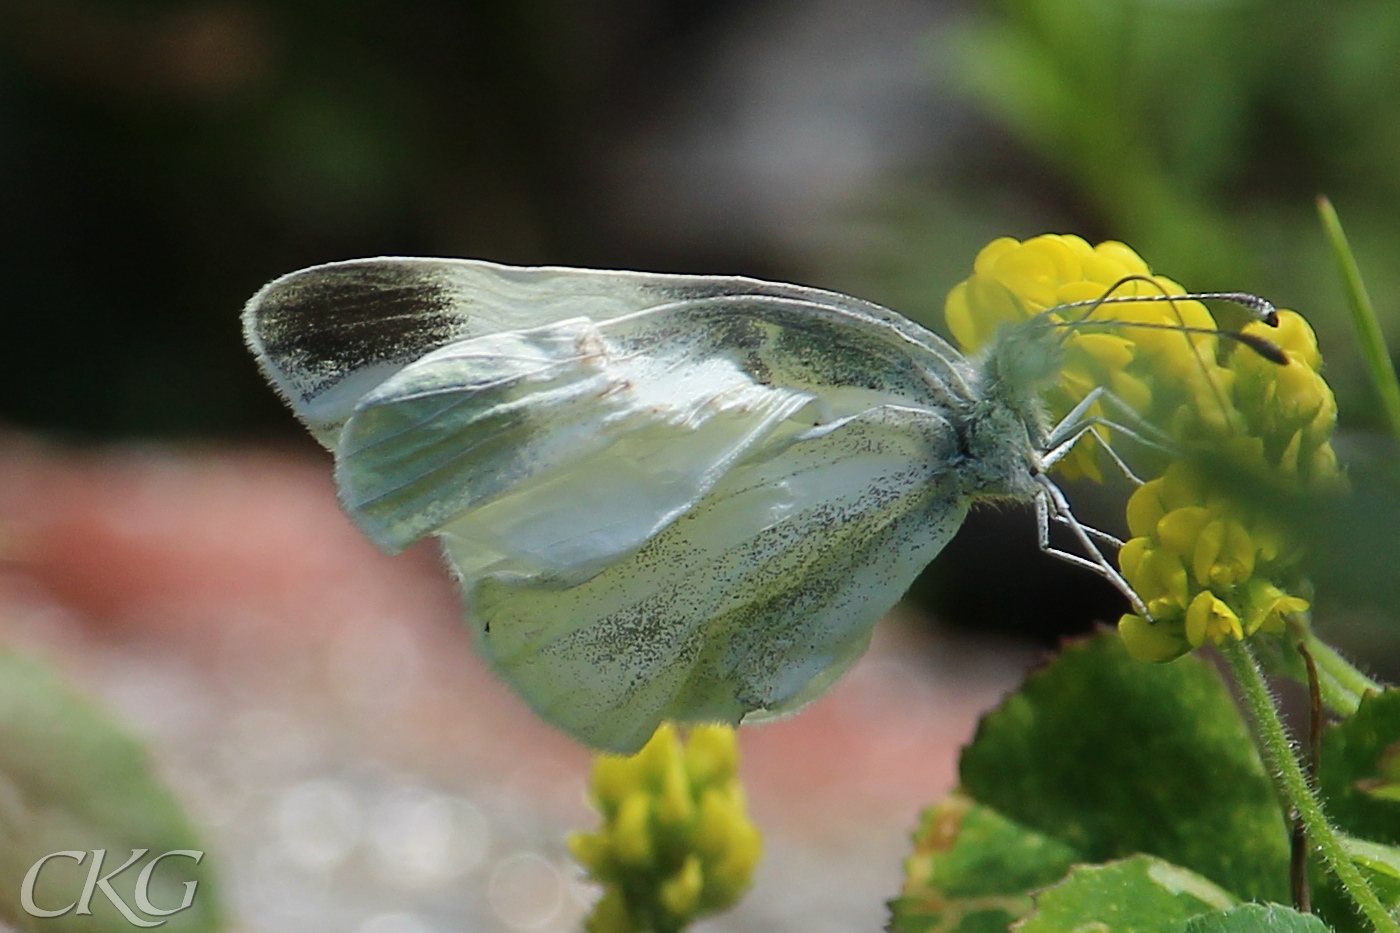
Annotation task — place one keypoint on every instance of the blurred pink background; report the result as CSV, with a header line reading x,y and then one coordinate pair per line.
x,y
353,765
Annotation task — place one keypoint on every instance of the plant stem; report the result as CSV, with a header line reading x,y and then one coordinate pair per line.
x,y
1343,685
1282,761
1363,315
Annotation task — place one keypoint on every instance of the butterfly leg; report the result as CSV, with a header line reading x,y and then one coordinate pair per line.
x,y
1075,425
1141,430
1057,453
1050,498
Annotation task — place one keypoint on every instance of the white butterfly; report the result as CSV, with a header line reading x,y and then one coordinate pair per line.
x,y
666,497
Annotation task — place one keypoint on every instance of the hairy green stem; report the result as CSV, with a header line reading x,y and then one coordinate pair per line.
x,y
1363,315
1282,760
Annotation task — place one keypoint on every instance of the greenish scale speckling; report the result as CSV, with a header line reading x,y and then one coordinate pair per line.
x,y
666,497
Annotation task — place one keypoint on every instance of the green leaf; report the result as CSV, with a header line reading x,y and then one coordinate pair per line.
x,y
1255,918
1113,757
1359,763
1377,858
973,870
1141,894
1381,866
71,780
1358,758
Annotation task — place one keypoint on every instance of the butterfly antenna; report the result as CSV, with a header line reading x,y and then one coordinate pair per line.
x,y
1261,309
1260,345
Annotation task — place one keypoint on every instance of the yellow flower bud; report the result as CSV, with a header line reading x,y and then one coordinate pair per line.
x,y
610,915
1124,261
1268,540
592,851
721,810
1182,485
675,806
1031,272
1224,554
631,834
662,750
1323,467
1145,508
676,841
1247,453
1179,529
1149,641
987,259
1108,352
1288,460
613,777
1081,290
680,893
1136,392
1301,394
1162,581
978,308
1267,607
1294,335
1208,617
712,755
1130,556
733,873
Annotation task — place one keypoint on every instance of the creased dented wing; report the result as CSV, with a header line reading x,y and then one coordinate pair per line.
x,y
666,497
326,335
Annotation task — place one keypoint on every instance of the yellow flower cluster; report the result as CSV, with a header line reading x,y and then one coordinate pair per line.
x,y
1156,372
1204,565
1207,567
676,841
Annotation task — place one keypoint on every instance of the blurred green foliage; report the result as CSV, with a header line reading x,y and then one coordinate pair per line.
x,y
1200,133
72,780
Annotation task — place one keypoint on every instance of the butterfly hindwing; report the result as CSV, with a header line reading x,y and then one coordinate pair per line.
x,y
757,599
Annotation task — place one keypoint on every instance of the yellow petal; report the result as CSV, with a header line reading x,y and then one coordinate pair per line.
x,y
987,259
712,754
680,893
1179,529
1122,256
631,832
1060,253
1134,391
1130,557
1224,554
1209,617
1162,572
1148,641
1145,508
610,915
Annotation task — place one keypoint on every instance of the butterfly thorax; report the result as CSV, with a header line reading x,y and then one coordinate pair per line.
x,y
1006,422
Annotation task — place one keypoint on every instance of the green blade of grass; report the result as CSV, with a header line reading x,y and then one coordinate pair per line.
x,y
1363,315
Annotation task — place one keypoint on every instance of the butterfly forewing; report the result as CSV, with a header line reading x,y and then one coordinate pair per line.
x,y
564,450
666,497
328,334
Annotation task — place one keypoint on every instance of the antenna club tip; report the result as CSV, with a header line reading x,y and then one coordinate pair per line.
x,y
1264,347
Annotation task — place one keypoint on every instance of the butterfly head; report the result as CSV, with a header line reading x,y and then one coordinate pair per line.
x,y
1020,364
